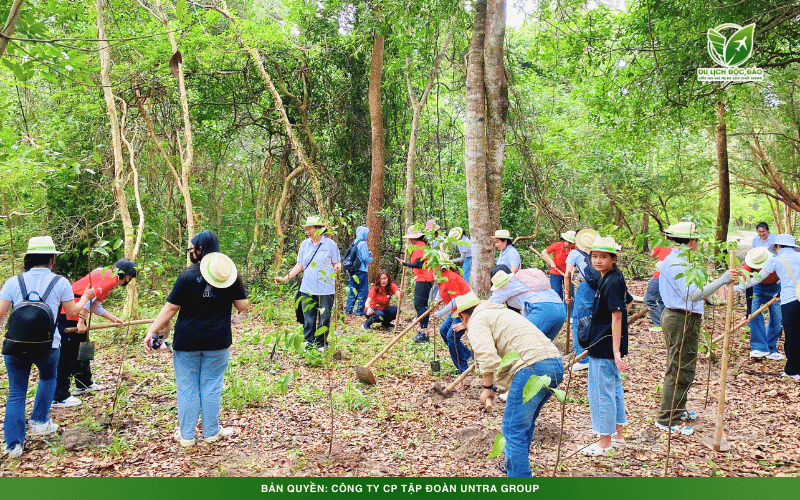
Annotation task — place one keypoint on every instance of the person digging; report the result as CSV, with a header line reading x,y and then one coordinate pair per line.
x,y
494,331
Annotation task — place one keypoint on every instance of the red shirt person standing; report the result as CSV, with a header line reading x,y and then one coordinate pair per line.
x,y
558,263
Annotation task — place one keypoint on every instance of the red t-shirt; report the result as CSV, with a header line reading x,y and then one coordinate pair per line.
x,y
455,286
661,254
378,298
421,274
769,280
102,286
560,252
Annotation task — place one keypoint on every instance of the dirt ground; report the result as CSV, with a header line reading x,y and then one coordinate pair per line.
x,y
401,427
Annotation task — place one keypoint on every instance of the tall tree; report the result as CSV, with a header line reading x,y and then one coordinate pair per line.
x,y
724,208
374,219
11,23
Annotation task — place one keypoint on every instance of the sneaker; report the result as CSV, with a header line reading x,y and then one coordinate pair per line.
x,y
503,397
364,326
224,433
655,329
92,388
37,428
776,356
794,377
580,366
689,416
67,403
759,354
595,450
680,428
503,466
185,443
14,452
420,338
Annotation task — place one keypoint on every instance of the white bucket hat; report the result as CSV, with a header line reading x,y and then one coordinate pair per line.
x,y
502,234
605,244
218,270
42,245
500,279
685,229
456,233
757,257
785,240
585,238
568,236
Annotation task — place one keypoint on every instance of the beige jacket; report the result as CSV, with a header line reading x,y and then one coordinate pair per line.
x,y
494,331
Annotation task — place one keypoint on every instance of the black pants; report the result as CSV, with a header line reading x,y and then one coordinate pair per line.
x,y
421,291
386,316
790,317
748,299
68,364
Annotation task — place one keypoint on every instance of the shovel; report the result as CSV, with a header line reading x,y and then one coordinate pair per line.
x,y
364,374
86,349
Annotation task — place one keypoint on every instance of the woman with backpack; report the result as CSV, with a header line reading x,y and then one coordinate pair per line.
x,y
607,343
37,294
358,286
380,296
579,264
423,278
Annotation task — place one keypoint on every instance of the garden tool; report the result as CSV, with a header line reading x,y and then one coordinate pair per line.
x,y
113,325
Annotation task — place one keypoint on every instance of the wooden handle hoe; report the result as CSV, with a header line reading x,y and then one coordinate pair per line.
x,y
446,392
113,325
746,320
364,374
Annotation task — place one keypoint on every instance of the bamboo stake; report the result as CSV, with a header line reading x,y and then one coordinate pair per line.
x,y
719,445
746,320
639,315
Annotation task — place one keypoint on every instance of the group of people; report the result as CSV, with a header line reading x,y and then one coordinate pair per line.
x,y
203,296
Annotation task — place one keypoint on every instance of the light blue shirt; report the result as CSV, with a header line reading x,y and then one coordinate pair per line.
x,y
674,292
318,277
576,258
509,257
465,249
776,264
514,293
36,280
758,242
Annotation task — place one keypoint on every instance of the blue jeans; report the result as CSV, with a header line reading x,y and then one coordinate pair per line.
x,y
765,338
357,291
557,284
581,307
316,315
606,397
19,371
548,317
652,299
198,379
459,353
465,268
519,419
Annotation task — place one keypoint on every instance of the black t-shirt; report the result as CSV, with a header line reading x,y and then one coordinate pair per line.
x,y
204,320
612,295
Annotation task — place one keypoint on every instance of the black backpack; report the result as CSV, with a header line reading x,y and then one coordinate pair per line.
x,y
31,324
351,263
591,275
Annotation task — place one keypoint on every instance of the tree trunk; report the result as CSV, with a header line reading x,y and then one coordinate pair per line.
x,y
496,104
374,220
259,206
116,141
11,24
724,210
480,222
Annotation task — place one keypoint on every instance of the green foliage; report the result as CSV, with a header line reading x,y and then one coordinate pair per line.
x,y
498,447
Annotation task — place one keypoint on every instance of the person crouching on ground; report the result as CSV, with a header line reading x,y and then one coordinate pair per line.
x,y
69,366
452,286
202,296
494,331
378,300
607,344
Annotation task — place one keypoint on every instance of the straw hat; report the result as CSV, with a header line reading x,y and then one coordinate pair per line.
x,y
412,232
42,245
757,257
785,240
315,220
465,301
218,270
585,238
568,236
500,279
685,229
605,244
456,233
502,234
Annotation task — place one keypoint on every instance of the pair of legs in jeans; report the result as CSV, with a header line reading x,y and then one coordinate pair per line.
x,y
765,339
606,397
581,307
19,371
358,288
316,318
459,353
652,299
68,363
519,419
385,316
199,376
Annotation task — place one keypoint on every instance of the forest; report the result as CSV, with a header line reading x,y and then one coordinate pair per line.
x,y
127,127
